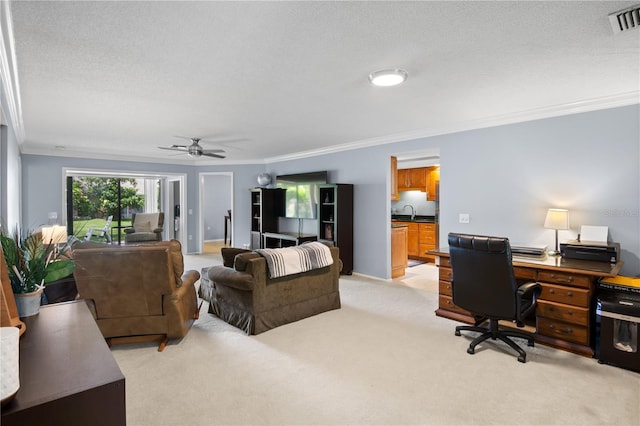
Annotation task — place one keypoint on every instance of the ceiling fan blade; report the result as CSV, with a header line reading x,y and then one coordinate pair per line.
x,y
184,137
209,154
212,151
174,148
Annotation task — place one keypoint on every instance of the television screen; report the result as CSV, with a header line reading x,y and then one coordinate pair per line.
x,y
301,198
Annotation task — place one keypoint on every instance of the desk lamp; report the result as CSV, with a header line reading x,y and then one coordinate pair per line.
x,y
56,234
556,219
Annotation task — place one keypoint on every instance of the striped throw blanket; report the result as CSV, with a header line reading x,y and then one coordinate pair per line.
x,y
293,260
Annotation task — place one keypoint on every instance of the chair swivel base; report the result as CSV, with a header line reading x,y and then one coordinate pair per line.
x,y
494,333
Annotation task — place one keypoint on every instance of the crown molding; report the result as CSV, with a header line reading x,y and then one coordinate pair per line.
x,y
606,102
9,72
187,161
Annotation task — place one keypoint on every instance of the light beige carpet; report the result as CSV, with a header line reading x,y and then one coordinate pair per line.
x,y
383,359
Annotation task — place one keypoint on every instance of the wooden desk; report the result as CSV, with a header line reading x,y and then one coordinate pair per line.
x,y
565,314
67,373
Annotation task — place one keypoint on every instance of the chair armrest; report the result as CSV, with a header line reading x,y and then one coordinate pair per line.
x,y
157,230
527,295
231,278
531,290
190,277
129,230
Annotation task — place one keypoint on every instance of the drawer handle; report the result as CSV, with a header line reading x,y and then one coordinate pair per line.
x,y
552,291
568,279
569,293
448,286
567,330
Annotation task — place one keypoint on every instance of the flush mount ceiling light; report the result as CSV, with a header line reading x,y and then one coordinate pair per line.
x,y
386,78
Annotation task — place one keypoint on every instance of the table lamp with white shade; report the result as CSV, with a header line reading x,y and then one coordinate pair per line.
x,y
556,219
56,234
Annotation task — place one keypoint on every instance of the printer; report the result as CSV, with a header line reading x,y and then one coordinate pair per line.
x,y
591,250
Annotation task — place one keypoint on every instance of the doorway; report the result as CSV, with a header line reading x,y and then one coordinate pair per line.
x,y
216,201
414,205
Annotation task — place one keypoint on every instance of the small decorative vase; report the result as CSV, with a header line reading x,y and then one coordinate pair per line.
x,y
28,303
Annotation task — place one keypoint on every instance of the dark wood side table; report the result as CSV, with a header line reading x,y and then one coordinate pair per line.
x,y
67,373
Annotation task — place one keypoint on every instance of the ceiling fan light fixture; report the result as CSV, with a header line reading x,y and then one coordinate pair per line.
x,y
388,77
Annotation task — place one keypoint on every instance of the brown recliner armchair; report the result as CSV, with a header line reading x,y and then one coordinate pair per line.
x,y
138,293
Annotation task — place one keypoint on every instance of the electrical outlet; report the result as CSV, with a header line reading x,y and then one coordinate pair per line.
x,y
190,237
463,218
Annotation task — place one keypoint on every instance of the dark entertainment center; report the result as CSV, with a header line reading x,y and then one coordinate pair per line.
x,y
304,196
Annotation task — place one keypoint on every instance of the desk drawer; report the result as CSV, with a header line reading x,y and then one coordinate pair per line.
x,y
445,262
562,312
562,330
565,278
524,273
445,274
446,302
563,294
444,287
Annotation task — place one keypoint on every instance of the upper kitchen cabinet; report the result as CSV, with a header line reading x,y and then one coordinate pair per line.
x,y
412,179
395,194
433,176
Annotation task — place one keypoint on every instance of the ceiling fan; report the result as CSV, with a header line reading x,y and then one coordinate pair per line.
x,y
194,150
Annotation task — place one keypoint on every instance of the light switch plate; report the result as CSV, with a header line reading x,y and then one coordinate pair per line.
x,y
463,218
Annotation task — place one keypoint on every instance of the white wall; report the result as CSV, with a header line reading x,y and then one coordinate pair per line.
x,y
216,202
10,182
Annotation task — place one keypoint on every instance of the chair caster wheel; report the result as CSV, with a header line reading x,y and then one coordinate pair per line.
x,y
522,359
471,351
457,333
531,343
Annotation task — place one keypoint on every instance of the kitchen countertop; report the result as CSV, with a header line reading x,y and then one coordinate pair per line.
x,y
407,218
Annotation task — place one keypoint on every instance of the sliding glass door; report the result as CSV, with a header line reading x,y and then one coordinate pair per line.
x,y
96,202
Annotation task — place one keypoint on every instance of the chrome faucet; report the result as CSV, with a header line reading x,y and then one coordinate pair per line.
x,y
413,212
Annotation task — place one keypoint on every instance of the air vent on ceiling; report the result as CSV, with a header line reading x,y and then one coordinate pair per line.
x,y
626,19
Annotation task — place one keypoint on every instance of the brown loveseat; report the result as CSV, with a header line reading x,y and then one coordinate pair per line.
x,y
243,295
137,292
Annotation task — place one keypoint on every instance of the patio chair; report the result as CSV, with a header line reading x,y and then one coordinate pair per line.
x,y
104,232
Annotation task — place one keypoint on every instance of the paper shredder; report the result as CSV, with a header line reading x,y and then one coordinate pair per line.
x,y
618,322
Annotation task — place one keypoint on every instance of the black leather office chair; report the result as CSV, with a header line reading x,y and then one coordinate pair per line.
x,y
484,284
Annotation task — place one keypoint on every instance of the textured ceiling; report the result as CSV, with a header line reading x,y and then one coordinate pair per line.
x,y
276,80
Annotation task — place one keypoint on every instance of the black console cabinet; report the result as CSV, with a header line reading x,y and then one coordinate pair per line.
x,y
335,220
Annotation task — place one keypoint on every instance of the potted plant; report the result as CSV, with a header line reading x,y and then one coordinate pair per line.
x,y
31,263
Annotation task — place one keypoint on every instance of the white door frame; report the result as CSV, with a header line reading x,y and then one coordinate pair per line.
x,y
181,177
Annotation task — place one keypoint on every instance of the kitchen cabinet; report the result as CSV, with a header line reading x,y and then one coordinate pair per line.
x,y
412,179
423,179
413,238
399,241
395,194
428,239
433,178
